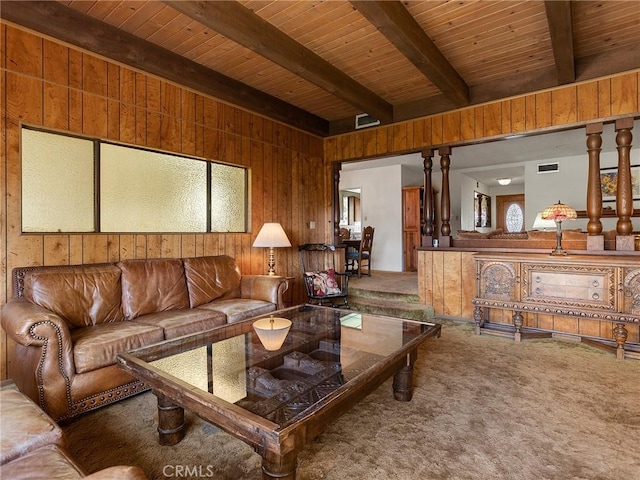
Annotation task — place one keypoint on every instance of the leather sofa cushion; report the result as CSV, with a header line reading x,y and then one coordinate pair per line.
x,y
153,285
23,427
96,347
183,322
50,462
237,309
83,296
209,278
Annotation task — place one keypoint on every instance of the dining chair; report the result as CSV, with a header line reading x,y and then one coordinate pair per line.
x,y
356,260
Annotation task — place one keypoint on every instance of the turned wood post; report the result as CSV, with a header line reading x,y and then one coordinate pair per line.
x,y
594,192
624,198
427,204
337,166
445,205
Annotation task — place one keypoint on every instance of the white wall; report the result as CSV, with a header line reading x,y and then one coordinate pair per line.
x,y
381,207
569,185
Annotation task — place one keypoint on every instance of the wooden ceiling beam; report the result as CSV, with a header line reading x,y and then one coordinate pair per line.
x,y
395,22
561,33
55,20
244,27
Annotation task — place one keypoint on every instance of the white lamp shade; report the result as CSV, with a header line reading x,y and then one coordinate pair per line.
x,y
271,235
540,224
272,331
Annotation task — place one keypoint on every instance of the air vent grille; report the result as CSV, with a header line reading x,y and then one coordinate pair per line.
x,y
364,120
552,167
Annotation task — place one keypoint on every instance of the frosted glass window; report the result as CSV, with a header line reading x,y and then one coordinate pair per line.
x,y
515,218
144,191
58,189
228,198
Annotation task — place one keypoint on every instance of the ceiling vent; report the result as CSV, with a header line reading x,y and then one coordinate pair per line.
x,y
364,120
553,167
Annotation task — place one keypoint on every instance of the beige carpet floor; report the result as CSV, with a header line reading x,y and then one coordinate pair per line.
x,y
483,408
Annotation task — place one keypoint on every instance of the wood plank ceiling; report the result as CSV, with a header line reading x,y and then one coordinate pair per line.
x,y
316,64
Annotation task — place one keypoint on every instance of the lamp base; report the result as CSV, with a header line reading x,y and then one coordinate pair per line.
x,y
272,262
558,250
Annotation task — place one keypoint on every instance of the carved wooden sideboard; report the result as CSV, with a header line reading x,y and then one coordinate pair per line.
x,y
598,295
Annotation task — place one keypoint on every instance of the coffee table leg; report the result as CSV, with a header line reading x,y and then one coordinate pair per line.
x,y
170,421
280,467
403,379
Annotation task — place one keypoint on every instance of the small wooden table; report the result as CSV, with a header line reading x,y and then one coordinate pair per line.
x,y
277,401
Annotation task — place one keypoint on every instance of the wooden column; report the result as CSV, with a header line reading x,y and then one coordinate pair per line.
x,y
445,205
337,166
624,198
595,240
427,203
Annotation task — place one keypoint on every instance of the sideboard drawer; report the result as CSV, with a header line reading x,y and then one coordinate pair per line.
x,y
592,287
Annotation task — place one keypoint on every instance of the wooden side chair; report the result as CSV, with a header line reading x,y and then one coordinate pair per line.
x,y
356,260
324,285
345,234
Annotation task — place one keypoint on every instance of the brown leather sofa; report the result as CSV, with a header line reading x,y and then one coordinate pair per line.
x,y
69,322
32,446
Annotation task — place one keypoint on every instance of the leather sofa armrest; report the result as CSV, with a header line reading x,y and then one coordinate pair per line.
x,y
22,320
43,358
264,287
118,473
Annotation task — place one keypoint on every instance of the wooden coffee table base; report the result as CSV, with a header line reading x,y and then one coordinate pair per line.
x,y
274,466
170,421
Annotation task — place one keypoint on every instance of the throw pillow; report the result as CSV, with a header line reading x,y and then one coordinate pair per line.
x,y
323,283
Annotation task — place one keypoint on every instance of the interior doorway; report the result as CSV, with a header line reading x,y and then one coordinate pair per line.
x,y
350,211
510,213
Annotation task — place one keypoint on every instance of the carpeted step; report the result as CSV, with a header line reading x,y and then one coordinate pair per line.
x,y
393,308
379,295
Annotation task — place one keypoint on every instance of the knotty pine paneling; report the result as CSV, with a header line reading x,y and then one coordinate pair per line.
x,y
3,199
597,100
446,281
50,85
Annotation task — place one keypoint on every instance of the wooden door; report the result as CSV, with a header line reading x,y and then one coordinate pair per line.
x,y
411,226
510,206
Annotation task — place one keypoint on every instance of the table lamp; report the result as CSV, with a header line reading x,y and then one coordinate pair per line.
x,y
272,332
271,236
558,213
540,224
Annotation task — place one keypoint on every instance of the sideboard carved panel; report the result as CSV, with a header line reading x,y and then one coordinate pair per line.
x,y
498,280
631,290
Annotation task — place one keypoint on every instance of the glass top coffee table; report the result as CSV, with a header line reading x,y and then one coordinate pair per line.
x,y
277,400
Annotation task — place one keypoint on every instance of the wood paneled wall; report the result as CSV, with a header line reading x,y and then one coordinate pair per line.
x,y
573,105
447,281
49,85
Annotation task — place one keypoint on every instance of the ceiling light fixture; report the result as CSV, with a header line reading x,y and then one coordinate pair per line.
x,y
504,181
